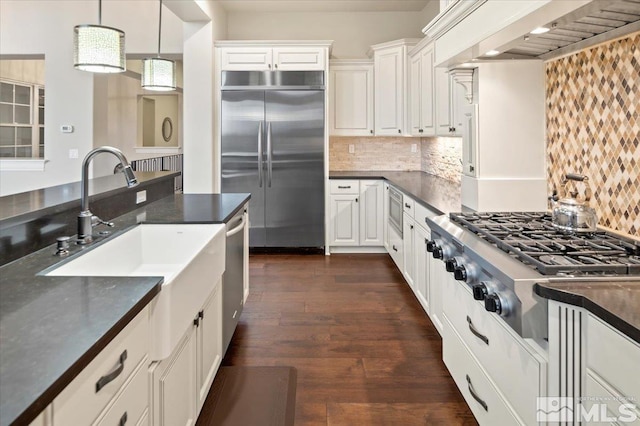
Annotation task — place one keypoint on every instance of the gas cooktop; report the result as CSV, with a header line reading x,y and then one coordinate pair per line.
x,y
532,239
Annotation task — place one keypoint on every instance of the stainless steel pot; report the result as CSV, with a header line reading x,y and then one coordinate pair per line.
x,y
570,214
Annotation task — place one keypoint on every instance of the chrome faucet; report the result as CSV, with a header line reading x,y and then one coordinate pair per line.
x,y
86,219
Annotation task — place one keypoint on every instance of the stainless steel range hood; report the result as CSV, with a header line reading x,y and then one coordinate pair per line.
x,y
471,28
596,22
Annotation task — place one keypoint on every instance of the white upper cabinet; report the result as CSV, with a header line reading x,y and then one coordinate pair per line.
x,y
276,56
390,86
351,98
450,103
421,92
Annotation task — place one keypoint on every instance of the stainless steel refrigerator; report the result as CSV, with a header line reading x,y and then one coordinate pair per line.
x,y
273,147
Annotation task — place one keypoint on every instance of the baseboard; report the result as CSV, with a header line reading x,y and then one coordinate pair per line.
x,y
368,249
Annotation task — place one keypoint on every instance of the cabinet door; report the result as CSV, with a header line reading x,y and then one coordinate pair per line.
x,y
470,140
415,95
246,58
408,234
371,213
389,91
438,277
459,105
351,100
385,215
298,58
175,385
444,122
427,98
344,220
209,344
421,266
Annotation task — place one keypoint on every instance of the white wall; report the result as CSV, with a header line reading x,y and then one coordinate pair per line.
x,y
36,28
353,32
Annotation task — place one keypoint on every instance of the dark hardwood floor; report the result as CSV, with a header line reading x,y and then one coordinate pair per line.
x,y
365,351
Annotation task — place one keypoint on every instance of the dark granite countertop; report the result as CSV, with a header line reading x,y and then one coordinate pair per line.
x,y
615,302
52,327
24,206
432,191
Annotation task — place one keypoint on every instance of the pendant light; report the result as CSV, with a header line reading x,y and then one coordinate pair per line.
x,y
157,73
97,48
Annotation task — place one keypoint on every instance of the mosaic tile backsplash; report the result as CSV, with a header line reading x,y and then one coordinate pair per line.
x,y
593,127
438,156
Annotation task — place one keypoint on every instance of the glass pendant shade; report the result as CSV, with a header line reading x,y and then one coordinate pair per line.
x,y
98,49
158,74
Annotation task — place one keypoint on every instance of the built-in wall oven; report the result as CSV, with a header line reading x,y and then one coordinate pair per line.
x,y
395,209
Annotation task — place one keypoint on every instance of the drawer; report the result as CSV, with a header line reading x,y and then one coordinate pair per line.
x,y
132,403
421,213
597,393
79,403
343,186
605,344
504,355
408,205
396,248
481,396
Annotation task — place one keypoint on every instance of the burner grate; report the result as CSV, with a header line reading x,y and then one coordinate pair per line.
x,y
531,237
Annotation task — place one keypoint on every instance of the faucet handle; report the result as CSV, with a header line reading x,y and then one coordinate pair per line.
x,y
95,221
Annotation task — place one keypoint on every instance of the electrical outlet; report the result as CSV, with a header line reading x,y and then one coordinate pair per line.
x,y
66,128
73,153
352,148
414,147
141,196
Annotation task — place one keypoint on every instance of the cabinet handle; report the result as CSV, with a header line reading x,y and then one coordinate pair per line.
x,y
420,131
196,321
344,187
123,419
399,131
475,331
269,66
471,168
276,65
410,226
356,200
201,314
371,131
111,375
475,395
394,248
407,205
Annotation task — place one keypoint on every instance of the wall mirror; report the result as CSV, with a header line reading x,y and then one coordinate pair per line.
x,y
22,100
158,120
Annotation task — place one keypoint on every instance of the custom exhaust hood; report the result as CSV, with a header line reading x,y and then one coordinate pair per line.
x,y
527,29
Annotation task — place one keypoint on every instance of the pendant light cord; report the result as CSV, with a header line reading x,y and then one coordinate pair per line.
x,y
99,12
159,27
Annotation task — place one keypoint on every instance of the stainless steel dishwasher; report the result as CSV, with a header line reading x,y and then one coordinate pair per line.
x,y
233,279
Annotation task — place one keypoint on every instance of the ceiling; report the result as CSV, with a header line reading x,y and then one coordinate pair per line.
x,y
324,5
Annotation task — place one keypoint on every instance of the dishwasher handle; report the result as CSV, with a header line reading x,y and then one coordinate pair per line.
x,y
238,228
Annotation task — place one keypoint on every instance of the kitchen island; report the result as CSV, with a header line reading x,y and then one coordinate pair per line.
x,y
51,327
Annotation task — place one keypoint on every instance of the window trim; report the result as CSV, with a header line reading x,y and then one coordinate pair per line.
x,y
34,118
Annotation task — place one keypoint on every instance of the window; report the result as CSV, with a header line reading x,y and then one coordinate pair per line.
x,y
21,120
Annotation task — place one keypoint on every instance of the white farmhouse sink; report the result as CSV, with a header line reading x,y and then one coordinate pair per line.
x,y
191,259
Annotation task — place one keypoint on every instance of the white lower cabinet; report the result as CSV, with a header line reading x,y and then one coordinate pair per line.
x,y
408,236
174,385
357,216
438,277
421,262
396,248
107,378
181,382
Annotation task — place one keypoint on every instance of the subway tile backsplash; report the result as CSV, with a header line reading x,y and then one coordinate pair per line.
x,y
593,127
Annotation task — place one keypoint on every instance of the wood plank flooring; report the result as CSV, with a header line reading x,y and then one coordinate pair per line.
x,y
365,351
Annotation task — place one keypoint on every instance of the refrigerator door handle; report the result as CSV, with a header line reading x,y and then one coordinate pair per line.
x,y
269,154
260,160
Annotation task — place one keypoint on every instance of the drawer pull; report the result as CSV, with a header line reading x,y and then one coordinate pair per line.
x,y
476,333
344,187
394,248
475,395
123,419
407,205
111,375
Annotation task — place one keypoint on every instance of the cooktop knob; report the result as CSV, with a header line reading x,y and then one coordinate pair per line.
x,y
431,246
480,291
438,253
460,273
451,264
494,303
